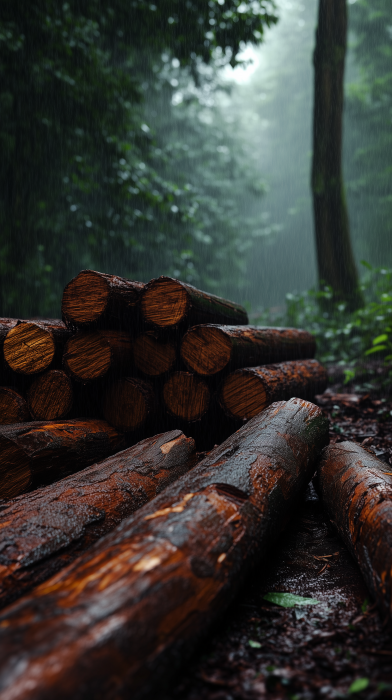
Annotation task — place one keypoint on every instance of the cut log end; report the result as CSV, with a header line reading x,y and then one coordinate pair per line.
x,y
186,396
50,397
243,395
13,407
29,348
165,302
206,350
15,473
85,298
87,356
154,356
128,403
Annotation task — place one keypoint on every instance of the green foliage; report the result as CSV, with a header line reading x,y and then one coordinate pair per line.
x,y
289,600
358,685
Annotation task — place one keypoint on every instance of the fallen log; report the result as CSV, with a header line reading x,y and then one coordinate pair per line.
x,y
356,489
118,621
50,397
154,355
94,298
90,356
209,349
43,531
129,403
32,454
166,302
186,396
31,346
13,407
248,391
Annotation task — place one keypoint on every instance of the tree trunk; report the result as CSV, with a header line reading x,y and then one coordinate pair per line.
x,y
30,347
13,407
186,396
155,355
90,356
120,619
129,404
336,265
42,532
50,397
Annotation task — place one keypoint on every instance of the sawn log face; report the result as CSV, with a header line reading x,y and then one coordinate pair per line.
x,y
119,619
43,531
357,495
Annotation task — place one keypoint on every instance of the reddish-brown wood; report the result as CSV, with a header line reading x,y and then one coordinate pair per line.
x,y
13,407
94,298
119,620
50,397
31,346
209,349
41,452
128,404
90,356
356,489
166,302
43,531
186,396
153,354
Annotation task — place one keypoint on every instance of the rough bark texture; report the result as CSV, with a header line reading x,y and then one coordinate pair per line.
x,y
129,403
186,396
356,489
42,452
248,391
209,349
31,346
50,397
42,532
90,356
336,266
94,298
122,616
166,302
13,407
155,355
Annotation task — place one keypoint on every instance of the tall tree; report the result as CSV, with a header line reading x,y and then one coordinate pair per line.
x,y
336,265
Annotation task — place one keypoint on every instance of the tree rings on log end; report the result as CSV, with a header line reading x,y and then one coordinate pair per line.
x,y
206,350
29,348
85,298
50,397
243,395
128,403
13,407
15,473
186,396
154,356
165,302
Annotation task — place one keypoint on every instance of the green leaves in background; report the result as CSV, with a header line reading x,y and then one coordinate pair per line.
x,y
289,600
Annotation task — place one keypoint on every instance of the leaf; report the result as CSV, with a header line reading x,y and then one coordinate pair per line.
x,y
377,349
253,644
358,685
380,339
289,600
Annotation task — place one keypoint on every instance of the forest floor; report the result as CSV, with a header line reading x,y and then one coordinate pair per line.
x,y
261,650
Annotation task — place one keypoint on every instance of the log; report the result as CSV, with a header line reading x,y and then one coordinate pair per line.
x,y
356,489
246,392
43,531
31,346
129,403
50,397
186,396
166,302
90,356
154,355
94,298
120,619
13,407
41,452
209,349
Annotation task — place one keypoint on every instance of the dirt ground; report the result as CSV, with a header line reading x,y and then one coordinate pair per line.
x,y
328,650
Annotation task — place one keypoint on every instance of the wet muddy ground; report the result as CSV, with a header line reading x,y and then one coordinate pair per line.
x,y
328,650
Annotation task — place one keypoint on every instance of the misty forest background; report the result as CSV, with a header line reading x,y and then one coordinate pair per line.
x,y
133,144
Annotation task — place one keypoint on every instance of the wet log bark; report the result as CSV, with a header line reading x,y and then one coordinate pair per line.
x,y
356,489
31,346
120,619
155,355
13,407
186,396
209,349
42,532
32,454
50,397
166,302
90,356
248,391
96,299
129,403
